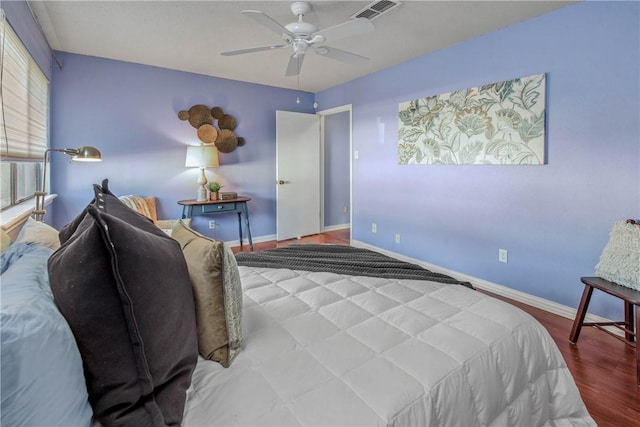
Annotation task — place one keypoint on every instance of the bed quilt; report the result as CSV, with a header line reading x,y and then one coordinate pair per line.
x,y
327,349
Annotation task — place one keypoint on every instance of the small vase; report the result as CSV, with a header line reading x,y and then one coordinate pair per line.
x,y
213,195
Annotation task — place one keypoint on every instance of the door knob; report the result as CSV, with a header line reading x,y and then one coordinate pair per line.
x,y
281,182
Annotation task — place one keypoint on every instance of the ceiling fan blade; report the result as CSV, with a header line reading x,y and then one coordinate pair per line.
x,y
294,65
340,55
344,30
253,49
268,22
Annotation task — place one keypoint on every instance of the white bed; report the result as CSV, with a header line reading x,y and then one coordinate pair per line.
x,y
320,348
324,349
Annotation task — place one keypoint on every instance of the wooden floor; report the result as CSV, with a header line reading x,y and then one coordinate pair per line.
x,y
602,366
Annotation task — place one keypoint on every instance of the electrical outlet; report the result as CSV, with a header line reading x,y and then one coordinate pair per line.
x,y
374,227
503,255
345,209
398,239
212,224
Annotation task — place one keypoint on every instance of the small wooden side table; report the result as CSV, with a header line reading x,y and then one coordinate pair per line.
x,y
631,299
213,207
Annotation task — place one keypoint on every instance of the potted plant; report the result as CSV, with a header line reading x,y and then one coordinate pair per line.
x,y
214,188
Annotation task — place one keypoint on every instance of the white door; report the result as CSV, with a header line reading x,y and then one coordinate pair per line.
x,y
297,174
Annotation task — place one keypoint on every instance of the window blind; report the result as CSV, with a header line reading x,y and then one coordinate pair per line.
x,y
24,100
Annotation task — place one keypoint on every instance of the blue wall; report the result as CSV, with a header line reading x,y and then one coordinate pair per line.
x,y
554,219
129,112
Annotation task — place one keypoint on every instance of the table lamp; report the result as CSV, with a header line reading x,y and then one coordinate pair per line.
x,y
82,154
202,156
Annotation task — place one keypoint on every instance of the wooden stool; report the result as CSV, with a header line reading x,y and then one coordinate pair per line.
x,y
630,297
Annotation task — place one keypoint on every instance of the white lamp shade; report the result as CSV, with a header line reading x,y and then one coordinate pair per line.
x,y
202,156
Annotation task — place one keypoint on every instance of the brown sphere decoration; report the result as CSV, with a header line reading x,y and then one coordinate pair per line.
x,y
227,122
227,141
217,113
200,115
223,136
207,133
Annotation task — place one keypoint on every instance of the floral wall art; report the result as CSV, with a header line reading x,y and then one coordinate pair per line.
x,y
499,123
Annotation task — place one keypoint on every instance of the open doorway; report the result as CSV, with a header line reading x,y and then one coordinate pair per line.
x,y
336,168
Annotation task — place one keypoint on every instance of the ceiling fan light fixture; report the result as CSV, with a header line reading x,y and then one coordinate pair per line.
x,y
300,47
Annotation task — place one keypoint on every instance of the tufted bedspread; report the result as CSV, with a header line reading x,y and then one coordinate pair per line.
x,y
325,349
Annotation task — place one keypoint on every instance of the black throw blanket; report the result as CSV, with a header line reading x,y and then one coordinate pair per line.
x,y
341,259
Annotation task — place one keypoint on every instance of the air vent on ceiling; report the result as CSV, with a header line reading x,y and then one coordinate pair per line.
x,y
375,9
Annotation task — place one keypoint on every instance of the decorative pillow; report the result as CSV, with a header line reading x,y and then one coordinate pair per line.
x,y
218,295
167,225
620,259
5,240
124,288
39,232
42,378
143,205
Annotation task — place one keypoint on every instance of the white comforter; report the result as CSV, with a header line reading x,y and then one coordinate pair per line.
x,y
322,349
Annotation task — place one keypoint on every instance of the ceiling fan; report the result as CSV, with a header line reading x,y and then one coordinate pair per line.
x,y
301,35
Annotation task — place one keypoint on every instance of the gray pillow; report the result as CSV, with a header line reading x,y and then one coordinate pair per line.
x,y
123,286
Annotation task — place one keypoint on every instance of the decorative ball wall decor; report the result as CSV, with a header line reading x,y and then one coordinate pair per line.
x,y
204,120
207,133
227,141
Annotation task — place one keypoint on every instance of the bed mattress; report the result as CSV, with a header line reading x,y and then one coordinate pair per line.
x,y
327,349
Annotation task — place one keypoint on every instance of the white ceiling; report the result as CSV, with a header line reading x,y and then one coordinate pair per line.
x,y
189,35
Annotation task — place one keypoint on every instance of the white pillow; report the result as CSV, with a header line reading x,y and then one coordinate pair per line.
x,y
620,259
39,232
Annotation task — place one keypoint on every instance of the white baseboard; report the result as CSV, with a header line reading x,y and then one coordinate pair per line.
x,y
532,300
335,227
271,237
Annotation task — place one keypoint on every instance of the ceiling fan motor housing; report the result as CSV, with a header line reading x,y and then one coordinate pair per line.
x,y
301,28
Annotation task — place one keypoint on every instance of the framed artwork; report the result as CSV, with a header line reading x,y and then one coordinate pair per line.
x,y
494,124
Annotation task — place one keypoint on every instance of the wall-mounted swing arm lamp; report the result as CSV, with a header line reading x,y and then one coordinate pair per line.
x,y
82,154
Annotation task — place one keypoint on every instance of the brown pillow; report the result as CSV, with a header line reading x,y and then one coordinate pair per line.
x,y
124,288
143,205
5,240
217,292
